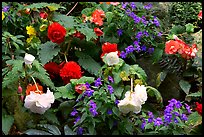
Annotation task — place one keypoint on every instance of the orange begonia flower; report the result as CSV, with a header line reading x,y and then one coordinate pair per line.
x,y
31,87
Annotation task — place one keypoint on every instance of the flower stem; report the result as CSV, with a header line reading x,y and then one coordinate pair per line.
x,y
71,9
35,83
131,84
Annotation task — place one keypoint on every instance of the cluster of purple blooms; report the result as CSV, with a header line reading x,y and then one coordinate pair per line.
x,y
92,108
171,113
135,46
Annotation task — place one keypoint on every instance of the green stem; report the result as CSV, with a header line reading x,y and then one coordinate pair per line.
x,y
66,51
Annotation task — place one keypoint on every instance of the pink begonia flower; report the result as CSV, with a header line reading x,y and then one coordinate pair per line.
x,y
39,103
111,58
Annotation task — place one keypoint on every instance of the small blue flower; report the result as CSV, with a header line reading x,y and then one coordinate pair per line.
x,y
116,101
132,4
110,88
80,131
158,121
110,79
77,119
109,112
6,8
188,108
123,54
151,50
97,82
74,112
93,111
120,32
159,34
143,48
184,117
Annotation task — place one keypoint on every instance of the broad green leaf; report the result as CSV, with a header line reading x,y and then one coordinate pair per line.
x,y
82,80
135,69
51,128
196,94
149,126
116,111
7,122
194,119
88,63
51,117
156,93
157,54
160,78
109,16
87,11
185,86
110,123
68,131
91,129
189,28
89,33
42,5
47,51
66,21
36,132
116,77
178,29
66,91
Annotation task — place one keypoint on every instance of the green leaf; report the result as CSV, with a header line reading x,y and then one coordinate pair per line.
x,y
82,80
66,21
189,28
160,78
7,122
185,86
149,126
51,117
68,131
135,69
178,29
41,74
36,132
116,111
154,91
109,16
47,51
116,77
157,54
194,119
91,129
118,90
196,94
88,63
42,5
87,11
66,91
89,33
51,128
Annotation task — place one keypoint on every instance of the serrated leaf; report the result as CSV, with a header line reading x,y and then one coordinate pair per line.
x,y
7,122
82,80
47,51
189,28
154,91
178,29
42,5
66,21
135,69
196,94
36,132
89,33
194,119
68,131
87,11
51,128
88,63
185,86
109,16
66,91
160,78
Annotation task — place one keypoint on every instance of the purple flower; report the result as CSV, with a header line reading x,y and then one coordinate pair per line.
x,y
148,6
184,117
175,120
146,33
151,117
74,112
77,119
143,48
143,124
110,79
138,49
116,101
109,112
156,22
120,32
93,111
137,19
188,108
151,50
159,34
87,85
129,49
88,92
97,82
110,88
136,43
123,54
5,8
167,118
92,104
124,4
139,35
158,121
176,113
79,131
132,4
178,104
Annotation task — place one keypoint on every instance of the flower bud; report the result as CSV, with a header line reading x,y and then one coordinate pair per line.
x,y
22,98
29,58
20,89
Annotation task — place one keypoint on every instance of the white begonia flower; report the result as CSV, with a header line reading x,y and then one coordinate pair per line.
x,y
39,103
28,59
140,93
111,58
129,103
